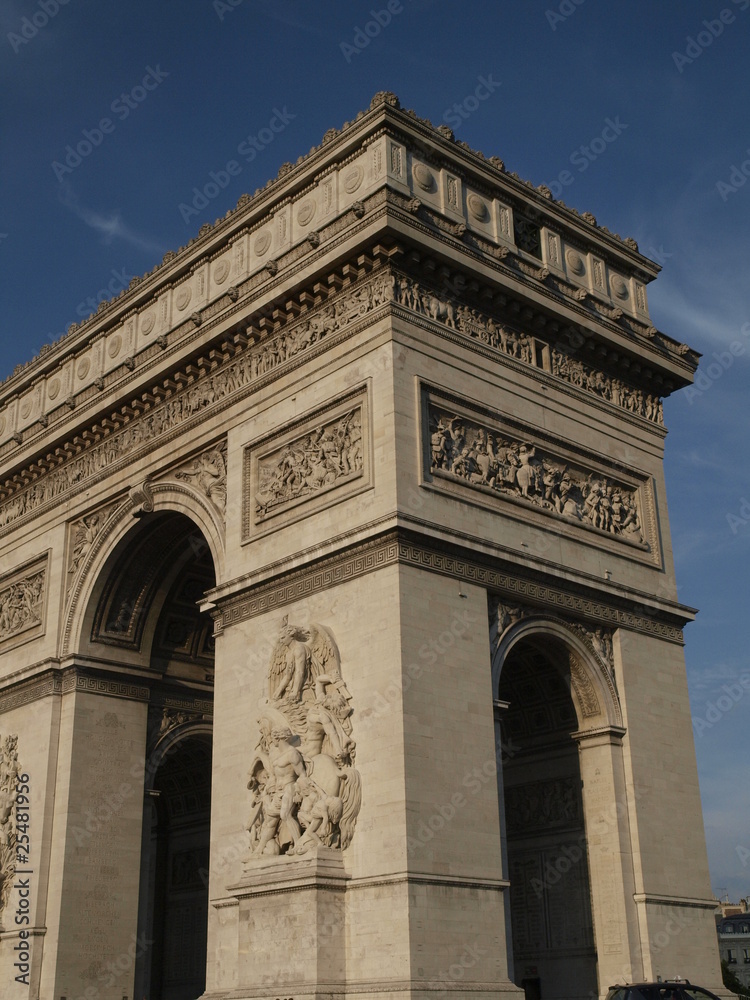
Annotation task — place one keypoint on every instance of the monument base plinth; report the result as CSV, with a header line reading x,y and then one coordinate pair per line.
x,y
292,925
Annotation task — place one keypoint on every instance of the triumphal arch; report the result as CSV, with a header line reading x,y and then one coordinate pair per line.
x,y
340,649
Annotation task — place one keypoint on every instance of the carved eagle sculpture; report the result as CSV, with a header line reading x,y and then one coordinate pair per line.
x,y
300,656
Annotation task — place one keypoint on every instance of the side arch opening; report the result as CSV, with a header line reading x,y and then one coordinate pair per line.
x,y
543,699
173,909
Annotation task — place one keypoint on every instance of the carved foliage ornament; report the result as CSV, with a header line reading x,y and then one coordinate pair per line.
x,y
11,795
305,791
599,640
492,461
201,395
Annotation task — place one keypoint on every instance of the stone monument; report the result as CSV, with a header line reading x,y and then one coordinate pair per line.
x,y
340,649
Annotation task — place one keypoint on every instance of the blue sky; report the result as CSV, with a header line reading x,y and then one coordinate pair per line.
x,y
186,88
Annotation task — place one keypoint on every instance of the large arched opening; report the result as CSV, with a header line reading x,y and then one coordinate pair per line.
x,y
173,906
143,621
545,701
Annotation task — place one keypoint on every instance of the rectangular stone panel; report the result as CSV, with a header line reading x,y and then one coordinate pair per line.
x,y
315,462
486,457
23,600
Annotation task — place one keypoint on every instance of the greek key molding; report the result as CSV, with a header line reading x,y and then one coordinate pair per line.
x,y
64,680
74,680
306,582
33,689
394,548
23,602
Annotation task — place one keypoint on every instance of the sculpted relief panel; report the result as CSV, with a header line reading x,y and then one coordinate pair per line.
x,y
304,789
320,459
14,840
491,459
22,601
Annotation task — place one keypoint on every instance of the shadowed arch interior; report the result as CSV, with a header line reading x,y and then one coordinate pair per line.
x,y
145,615
174,912
149,602
544,835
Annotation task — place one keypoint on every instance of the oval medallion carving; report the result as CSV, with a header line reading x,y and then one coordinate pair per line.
x,y
423,176
262,243
353,178
183,297
477,207
147,323
53,389
575,262
306,212
83,368
222,272
619,287
26,409
113,348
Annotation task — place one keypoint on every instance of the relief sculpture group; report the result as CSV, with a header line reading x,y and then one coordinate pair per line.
x,y
483,458
305,791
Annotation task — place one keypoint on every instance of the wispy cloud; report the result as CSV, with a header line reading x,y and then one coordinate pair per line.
x,y
110,226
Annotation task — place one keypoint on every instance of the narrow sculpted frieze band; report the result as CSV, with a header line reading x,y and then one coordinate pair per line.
x,y
516,344
299,467
186,398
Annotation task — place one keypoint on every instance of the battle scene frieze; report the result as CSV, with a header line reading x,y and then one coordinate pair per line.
x,y
319,460
23,595
498,459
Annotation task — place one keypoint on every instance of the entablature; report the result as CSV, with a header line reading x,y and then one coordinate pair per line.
x,y
305,214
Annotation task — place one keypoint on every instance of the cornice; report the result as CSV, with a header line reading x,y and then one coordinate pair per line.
x,y
92,678
211,364
56,680
384,117
615,335
400,547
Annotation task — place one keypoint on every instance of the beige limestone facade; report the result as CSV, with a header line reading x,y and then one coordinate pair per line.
x,y
340,649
